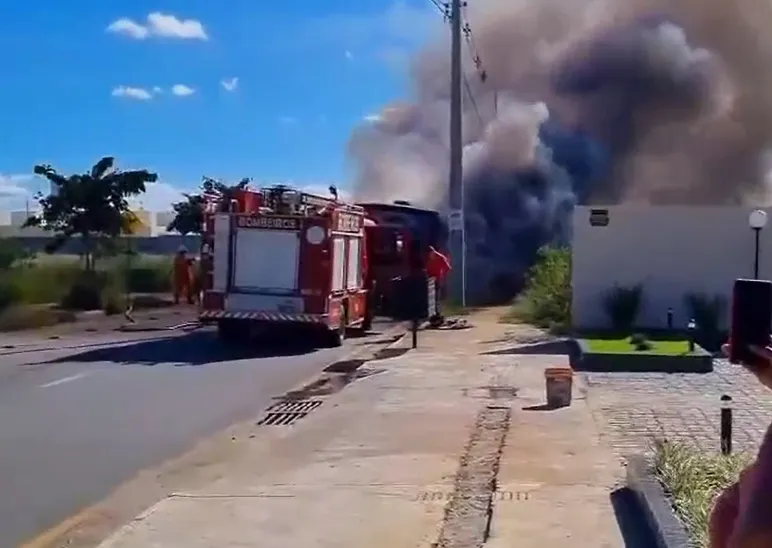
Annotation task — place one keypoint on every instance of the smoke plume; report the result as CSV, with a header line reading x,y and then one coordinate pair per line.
x,y
589,101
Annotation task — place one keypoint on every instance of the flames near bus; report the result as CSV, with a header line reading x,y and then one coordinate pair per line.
x,y
280,258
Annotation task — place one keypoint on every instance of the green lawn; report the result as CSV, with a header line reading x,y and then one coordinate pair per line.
x,y
623,346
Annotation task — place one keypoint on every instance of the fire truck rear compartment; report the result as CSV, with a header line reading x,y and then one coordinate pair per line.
x,y
265,262
264,297
296,268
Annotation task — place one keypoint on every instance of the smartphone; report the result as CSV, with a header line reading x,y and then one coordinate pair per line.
x,y
751,319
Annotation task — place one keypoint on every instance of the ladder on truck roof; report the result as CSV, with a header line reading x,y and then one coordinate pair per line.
x,y
321,202
304,203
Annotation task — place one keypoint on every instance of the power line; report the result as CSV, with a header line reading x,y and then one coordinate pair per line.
x,y
442,7
473,51
472,100
466,30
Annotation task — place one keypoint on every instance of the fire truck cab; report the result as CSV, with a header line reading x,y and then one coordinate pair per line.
x,y
279,259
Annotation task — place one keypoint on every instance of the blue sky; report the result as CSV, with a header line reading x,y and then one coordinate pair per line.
x,y
187,88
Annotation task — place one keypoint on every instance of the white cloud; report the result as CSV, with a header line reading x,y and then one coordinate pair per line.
x,y
17,191
158,196
140,94
349,55
13,185
161,25
171,27
129,28
373,118
182,90
157,90
230,84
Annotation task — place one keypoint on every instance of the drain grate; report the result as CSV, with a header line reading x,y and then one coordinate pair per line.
x,y
288,412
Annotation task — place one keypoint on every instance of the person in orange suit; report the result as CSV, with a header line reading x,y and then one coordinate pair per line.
x,y
182,281
437,267
193,281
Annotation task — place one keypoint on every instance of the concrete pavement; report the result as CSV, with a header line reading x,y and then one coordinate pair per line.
x,y
447,445
76,423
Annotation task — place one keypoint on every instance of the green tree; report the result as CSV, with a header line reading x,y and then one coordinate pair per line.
x,y
547,295
189,213
92,206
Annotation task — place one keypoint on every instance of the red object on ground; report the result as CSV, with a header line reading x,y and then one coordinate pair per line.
x,y
437,265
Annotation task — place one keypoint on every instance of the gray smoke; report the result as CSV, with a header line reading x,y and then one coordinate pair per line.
x,y
587,101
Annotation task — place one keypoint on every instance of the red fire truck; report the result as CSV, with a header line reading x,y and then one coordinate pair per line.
x,y
396,231
278,258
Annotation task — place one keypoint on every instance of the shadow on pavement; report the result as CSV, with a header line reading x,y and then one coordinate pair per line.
x,y
547,348
630,518
197,348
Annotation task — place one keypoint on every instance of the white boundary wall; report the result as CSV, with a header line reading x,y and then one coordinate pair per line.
x,y
671,250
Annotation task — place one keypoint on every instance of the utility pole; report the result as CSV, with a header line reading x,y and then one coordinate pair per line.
x,y
456,221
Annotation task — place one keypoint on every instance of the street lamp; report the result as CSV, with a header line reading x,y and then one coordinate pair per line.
x,y
757,220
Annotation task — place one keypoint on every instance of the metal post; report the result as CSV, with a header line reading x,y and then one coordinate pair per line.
x,y
456,240
757,233
726,425
414,330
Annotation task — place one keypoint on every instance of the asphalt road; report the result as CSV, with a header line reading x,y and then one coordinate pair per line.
x,y
77,422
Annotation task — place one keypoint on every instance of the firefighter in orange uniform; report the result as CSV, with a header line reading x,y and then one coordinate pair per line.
x,y
193,281
437,267
182,281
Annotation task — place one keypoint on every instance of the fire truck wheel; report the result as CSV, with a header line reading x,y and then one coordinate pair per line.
x,y
367,323
231,331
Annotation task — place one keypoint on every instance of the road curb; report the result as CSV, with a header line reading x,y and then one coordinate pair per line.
x,y
365,353
31,348
667,530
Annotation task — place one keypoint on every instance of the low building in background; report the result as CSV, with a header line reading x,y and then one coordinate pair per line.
x,y
150,234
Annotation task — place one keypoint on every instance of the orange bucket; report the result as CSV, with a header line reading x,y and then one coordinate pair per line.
x,y
559,384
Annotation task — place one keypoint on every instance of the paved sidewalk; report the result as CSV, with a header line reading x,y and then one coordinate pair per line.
x,y
635,408
386,462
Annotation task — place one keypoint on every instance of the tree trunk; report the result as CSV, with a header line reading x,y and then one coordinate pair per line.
x,y
88,252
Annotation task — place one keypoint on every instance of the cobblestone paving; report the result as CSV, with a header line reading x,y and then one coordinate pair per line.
x,y
631,409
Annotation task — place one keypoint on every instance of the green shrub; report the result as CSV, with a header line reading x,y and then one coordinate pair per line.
x,y
9,293
708,312
10,252
149,279
88,290
546,300
693,478
622,306
38,283
62,280
640,342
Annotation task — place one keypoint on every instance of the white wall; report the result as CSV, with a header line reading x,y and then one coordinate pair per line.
x,y
672,251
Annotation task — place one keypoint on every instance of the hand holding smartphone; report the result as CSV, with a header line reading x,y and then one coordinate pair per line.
x,y
751,321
